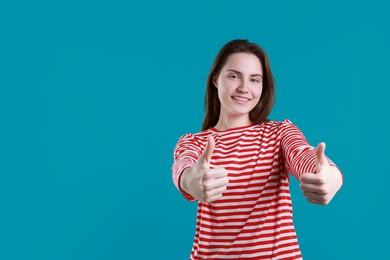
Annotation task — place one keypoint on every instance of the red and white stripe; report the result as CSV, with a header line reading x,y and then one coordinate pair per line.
x,y
253,219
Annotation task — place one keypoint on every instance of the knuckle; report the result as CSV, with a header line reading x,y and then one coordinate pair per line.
x,y
321,180
324,202
323,189
207,194
206,173
205,183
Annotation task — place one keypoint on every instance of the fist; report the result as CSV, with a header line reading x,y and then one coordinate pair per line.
x,y
202,182
320,187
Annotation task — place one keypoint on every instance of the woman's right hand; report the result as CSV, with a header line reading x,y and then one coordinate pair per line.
x,y
203,183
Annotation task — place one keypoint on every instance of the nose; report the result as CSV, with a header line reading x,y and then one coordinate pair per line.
x,y
243,87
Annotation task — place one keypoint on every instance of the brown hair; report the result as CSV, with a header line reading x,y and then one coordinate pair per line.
x,y
261,111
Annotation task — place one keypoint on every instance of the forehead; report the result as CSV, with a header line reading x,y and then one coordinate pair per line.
x,y
244,62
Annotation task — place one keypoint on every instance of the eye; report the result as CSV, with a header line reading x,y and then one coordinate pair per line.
x,y
233,76
255,80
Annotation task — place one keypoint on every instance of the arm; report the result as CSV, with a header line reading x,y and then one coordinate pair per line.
x,y
320,178
186,153
199,182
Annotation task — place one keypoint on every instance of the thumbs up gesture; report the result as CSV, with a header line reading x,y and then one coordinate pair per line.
x,y
320,187
202,182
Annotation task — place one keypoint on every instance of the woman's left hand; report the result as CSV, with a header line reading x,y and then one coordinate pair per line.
x,y
320,187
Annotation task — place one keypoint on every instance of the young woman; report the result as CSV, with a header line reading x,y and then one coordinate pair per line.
x,y
238,167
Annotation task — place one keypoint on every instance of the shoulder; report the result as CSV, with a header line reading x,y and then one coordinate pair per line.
x,y
191,144
280,128
193,139
276,125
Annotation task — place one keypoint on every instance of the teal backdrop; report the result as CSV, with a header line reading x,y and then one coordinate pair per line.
x,y
95,94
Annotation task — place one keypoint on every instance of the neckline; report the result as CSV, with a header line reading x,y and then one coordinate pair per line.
x,y
213,129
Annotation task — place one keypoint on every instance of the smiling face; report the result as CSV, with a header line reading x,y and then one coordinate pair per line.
x,y
239,84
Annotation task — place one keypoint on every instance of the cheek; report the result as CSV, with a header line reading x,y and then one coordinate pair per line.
x,y
223,96
257,92
225,91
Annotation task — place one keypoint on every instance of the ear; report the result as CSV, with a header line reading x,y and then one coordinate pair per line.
x,y
215,82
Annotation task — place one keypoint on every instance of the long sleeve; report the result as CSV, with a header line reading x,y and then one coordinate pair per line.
x,y
298,155
186,153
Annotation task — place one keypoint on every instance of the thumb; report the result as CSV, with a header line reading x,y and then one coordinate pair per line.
x,y
320,156
208,151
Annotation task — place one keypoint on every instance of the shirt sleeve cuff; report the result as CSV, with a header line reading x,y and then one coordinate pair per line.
x,y
177,171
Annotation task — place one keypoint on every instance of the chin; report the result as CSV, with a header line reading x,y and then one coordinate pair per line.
x,y
240,113
243,111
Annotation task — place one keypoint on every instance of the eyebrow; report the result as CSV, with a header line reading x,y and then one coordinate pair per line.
x,y
236,71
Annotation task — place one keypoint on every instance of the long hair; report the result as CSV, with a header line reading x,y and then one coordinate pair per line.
x,y
261,111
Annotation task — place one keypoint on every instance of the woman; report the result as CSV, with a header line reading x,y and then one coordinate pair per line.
x,y
238,167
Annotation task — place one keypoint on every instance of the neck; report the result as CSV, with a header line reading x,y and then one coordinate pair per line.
x,y
225,122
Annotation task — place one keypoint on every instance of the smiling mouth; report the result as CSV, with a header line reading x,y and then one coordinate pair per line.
x,y
241,99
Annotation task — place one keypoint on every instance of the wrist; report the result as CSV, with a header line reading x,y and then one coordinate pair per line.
x,y
183,182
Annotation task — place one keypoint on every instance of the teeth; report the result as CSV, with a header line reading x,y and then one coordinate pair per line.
x,y
241,99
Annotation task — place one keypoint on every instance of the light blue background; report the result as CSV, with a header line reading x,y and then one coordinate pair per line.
x,y
94,96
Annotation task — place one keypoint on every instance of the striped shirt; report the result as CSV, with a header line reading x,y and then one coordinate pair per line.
x,y
253,219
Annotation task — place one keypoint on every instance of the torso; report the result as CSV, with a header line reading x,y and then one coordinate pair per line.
x,y
253,219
